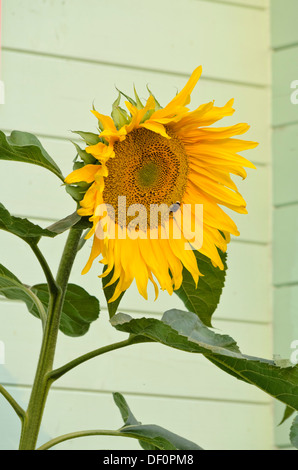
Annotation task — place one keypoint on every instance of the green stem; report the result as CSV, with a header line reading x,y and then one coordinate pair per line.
x,y
45,267
42,383
57,373
96,432
39,306
17,408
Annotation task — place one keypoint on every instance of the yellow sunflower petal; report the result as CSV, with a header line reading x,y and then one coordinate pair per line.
x,y
183,97
155,127
95,252
86,173
211,133
101,151
187,257
138,114
106,121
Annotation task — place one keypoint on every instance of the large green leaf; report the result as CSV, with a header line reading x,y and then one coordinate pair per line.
x,y
129,419
126,413
184,331
12,288
80,309
294,433
25,147
203,340
151,436
159,438
22,228
203,298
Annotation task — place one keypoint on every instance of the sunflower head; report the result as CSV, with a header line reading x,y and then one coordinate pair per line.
x,y
158,176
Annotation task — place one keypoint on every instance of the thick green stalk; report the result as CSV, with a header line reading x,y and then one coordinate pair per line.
x,y
42,383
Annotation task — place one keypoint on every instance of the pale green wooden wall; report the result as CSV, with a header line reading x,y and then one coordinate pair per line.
x,y
285,189
58,57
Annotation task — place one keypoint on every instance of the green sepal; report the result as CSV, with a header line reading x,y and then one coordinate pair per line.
x,y
77,165
138,101
157,105
77,191
119,115
148,115
87,158
128,98
89,137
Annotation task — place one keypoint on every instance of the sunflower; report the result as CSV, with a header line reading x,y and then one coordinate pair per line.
x,y
153,157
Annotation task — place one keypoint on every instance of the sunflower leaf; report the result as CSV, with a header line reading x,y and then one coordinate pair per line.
x,y
185,331
71,221
129,419
26,148
203,299
22,228
156,438
79,310
151,437
294,433
12,288
64,224
287,414
127,416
